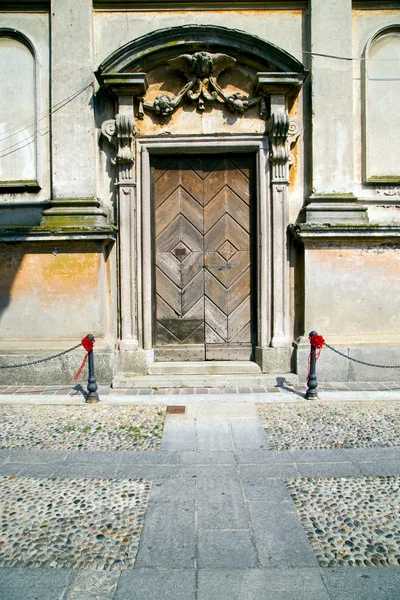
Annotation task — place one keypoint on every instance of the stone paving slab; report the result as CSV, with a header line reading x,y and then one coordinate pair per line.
x,y
169,490
260,457
380,583
157,584
329,469
33,584
390,467
168,538
93,585
206,457
213,434
82,471
265,584
221,505
265,471
248,434
180,435
226,549
279,536
265,490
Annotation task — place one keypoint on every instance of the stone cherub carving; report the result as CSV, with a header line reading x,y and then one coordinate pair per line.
x,y
202,70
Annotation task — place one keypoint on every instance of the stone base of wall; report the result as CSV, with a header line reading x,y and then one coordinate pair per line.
x,y
332,367
58,371
273,360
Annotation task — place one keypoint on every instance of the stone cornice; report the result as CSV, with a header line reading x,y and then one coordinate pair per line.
x,y
132,84
152,5
311,234
35,234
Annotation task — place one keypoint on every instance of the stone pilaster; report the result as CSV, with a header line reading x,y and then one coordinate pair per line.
x,y
121,133
281,134
332,200
74,200
277,86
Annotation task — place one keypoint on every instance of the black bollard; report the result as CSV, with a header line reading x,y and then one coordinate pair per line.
x,y
92,396
312,392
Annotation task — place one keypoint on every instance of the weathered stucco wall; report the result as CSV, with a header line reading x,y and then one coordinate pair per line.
x,y
352,293
35,28
283,28
51,292
383,199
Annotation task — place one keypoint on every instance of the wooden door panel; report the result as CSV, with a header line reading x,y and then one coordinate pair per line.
x,y
192,293
179,261
203,259
227,225
238,320
168,291
216,291
191,266
216,320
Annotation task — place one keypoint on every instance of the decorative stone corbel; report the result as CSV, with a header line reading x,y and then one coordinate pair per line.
x,y
120,131
277,129
282,132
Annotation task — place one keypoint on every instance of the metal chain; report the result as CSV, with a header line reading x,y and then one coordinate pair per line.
x,y
35,362
361,362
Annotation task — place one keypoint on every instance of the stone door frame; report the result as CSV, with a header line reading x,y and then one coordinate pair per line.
x,y
122,78
270,249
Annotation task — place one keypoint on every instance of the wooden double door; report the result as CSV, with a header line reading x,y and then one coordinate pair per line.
x,y
204,257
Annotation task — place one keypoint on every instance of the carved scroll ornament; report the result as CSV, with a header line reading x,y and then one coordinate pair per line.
x,y
120,132
283,133
202,70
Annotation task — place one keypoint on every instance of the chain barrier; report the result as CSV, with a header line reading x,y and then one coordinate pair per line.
x,y
361,362
42,360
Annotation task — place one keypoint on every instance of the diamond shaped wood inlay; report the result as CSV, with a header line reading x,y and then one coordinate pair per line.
x,y
227,250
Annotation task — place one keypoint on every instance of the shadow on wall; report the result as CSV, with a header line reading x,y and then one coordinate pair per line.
x,y
11,257
45,308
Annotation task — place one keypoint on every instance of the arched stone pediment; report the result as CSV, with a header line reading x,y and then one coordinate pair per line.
x,y
201,79
156,48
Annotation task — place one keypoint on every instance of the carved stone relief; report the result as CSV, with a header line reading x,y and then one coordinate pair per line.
x,y
202,71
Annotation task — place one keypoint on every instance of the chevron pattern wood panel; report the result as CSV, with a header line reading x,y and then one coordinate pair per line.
x,y
203,257
227,256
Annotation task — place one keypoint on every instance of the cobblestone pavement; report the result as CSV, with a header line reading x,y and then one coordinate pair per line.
x,y
88,427
71,523
319,425
216,513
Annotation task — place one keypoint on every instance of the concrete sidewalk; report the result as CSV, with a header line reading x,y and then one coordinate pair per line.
x,y
220,522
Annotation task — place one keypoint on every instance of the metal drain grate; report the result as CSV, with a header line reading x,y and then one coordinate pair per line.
x,y
176,410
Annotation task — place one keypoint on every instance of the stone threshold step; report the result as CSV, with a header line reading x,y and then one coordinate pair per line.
x,y
215,367
227,380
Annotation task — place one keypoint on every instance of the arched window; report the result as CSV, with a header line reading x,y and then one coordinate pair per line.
x,y
18,120
382,115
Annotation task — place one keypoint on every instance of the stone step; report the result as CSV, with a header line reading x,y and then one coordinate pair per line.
x,y
215,367
227,380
